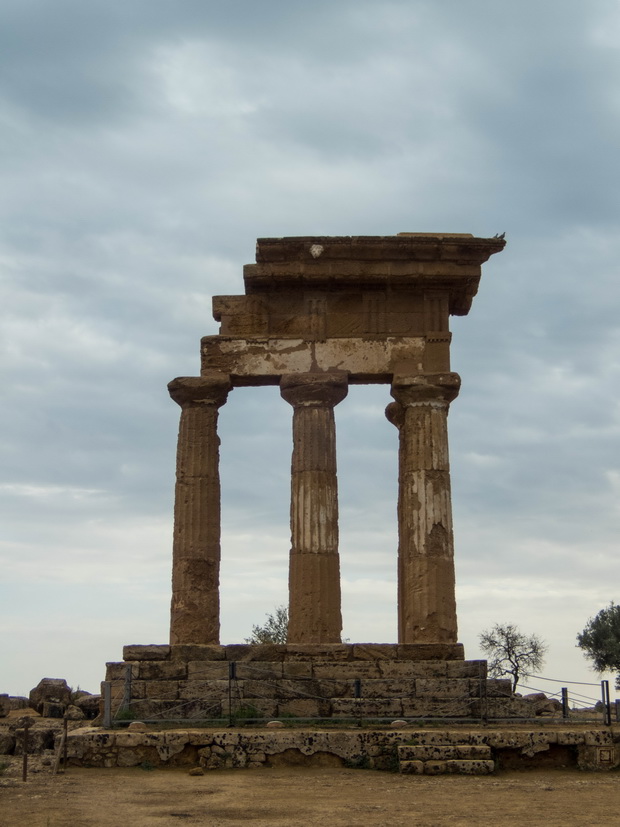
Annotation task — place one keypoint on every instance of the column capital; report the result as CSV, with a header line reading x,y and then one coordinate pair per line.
x,y
423,389
316,390
395,413
209,389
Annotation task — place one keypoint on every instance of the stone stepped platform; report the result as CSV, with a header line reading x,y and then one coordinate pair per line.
x,y
388,748
444,759
379,681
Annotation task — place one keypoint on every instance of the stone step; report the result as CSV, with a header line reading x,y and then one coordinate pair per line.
x,y
380,669
455,766
443,752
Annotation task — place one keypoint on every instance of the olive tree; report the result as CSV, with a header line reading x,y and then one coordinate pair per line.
x,y
600,641
274,630
510,652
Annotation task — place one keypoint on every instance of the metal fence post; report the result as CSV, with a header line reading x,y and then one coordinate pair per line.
x,y
484,702
127,687
564,702
107,704
606,703
232,675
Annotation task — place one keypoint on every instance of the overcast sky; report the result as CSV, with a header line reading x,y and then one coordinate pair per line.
x,y
145,146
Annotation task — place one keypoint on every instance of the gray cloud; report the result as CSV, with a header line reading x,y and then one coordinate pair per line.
x,y
145,147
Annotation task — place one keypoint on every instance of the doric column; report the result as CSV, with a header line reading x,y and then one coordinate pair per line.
x,y
195,608
314,569
426,584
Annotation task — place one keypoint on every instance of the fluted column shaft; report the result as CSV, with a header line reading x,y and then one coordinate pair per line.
x,y
314,569
426,582
195,607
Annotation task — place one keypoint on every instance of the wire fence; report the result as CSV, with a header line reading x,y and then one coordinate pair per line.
x,y
246,694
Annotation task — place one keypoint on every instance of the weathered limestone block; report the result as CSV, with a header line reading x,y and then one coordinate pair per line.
x,y
314,651
598,757
130,758
51,691
304,708
117,671
350,671
570,737
467,669
252,707
206,670
510,739
411,669
375,651
270,652
293,688
330,688
392,687
147,652
431,752
138,689
259,689
162,670
207,689
459,767
367,707
174,744
153,709
506,708
162,690
259,670
445,737
197,652
263,361
436,707
598,737
431,651
499,687
454,688
296,669
129,740
411,767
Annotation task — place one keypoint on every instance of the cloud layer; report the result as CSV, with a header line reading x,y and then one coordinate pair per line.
x,y
144,149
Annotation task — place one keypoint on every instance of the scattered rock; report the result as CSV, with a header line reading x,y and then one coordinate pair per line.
x,y
7,743
139,725
196,771
74,713
5,705
399,723
52,710
542,704
274,724
52,691
89,704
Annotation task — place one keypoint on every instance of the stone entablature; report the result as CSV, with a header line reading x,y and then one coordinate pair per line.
x,y
371,306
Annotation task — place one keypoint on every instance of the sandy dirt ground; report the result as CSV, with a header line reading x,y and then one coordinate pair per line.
x,y
332,797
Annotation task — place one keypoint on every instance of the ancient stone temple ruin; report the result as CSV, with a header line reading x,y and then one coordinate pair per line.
x,y
320,314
